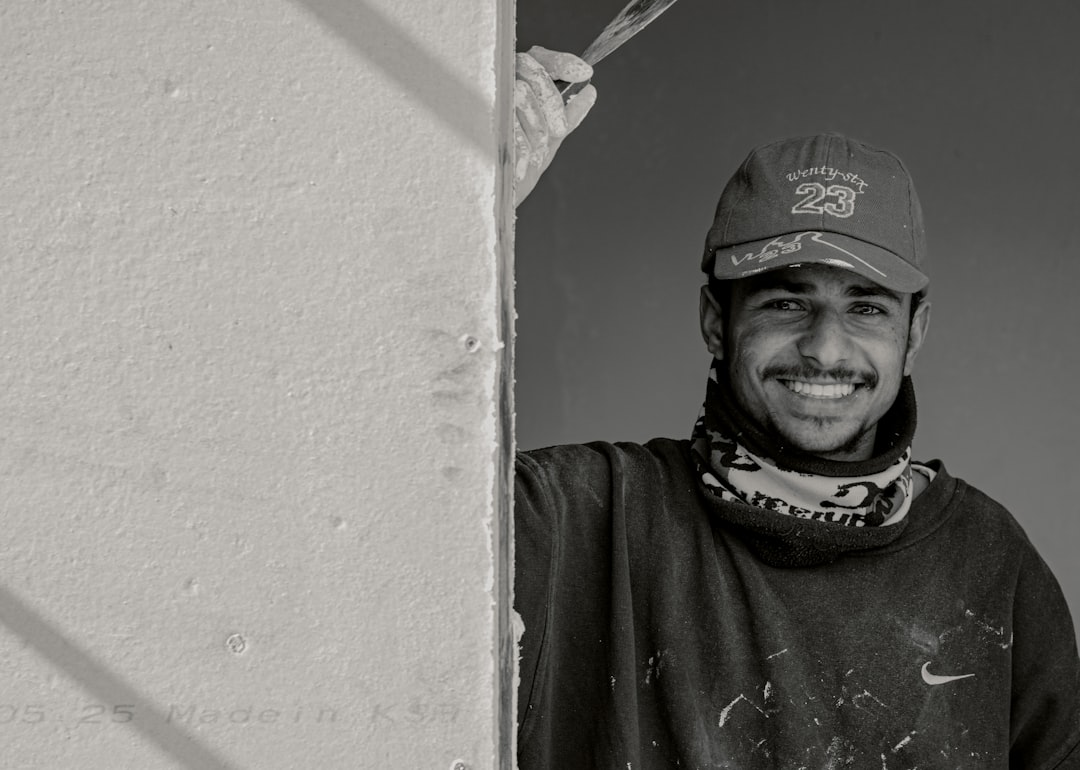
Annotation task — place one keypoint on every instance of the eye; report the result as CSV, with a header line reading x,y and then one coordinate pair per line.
x,y
867,310
784,304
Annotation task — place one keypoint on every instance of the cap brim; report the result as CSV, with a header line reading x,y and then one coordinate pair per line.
x,y
815,247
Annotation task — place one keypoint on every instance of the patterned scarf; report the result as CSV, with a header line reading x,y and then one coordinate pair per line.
x,y
738,462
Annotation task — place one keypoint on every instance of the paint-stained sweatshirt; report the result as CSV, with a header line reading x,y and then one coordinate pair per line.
x,y
667,629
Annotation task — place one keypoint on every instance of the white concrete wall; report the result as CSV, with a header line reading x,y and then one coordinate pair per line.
x,y
249,371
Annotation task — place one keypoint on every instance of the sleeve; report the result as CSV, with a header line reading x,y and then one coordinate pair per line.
x,y
535,518
561,543
1045,722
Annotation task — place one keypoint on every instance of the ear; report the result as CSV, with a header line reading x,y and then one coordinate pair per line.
x,y
920,322
712,324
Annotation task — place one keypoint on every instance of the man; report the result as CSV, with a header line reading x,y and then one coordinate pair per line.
x,y
785,588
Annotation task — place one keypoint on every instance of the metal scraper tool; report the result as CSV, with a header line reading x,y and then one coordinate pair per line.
x,y
637,15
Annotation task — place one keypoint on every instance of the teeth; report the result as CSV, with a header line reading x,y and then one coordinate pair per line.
x,y
815,390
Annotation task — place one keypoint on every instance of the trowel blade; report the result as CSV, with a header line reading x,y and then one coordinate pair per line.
x,y
637,15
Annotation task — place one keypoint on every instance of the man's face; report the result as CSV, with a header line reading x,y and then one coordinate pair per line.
x,y
815,354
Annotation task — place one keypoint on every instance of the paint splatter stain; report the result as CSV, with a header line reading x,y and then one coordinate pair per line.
x,y
656,665
861,699
839,754
725,714
905,742
996,634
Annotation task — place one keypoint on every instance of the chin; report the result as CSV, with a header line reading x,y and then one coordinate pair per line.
x,y
833,443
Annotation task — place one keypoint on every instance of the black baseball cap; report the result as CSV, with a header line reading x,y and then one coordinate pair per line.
x,y
823,199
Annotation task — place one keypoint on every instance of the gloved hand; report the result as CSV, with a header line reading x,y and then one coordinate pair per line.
x,y
542,120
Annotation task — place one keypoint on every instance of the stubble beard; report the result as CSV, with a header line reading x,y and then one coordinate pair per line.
x,y
820,426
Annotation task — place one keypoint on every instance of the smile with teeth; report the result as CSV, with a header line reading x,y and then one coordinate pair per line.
x,y
816,390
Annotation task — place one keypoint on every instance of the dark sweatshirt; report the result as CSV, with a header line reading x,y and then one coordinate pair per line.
x,y
665,628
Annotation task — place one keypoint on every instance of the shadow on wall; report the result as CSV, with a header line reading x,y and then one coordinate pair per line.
x,y
379,40
106,686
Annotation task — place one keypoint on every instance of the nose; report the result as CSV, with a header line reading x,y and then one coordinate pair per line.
x,y
825,341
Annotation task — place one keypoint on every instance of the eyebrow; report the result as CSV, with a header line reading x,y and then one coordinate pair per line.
x,y
873,290
869,289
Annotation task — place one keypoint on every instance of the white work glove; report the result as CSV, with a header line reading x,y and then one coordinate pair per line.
x,y
542,120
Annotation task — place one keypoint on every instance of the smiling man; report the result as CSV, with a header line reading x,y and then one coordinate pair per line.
x,y
787,587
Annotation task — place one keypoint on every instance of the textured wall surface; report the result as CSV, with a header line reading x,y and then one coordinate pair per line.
x,y
248,382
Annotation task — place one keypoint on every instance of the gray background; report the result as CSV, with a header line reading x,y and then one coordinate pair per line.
x,y
981,101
